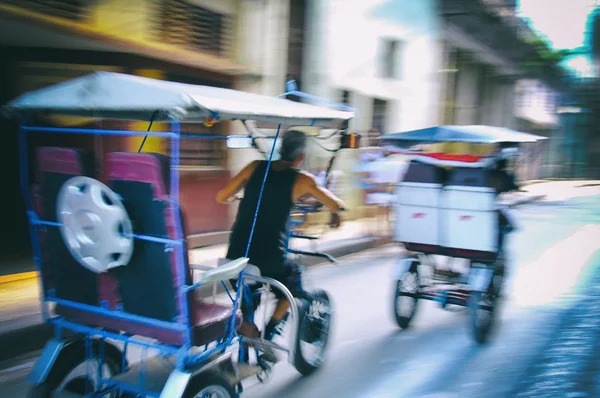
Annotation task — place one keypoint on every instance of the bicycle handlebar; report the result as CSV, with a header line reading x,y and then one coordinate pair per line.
x,y
308,237
307,208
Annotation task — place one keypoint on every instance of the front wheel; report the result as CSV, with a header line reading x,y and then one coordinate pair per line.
x,y
406,296
313,332
483,307
210,385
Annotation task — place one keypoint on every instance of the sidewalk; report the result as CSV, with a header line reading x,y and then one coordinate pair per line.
x,y
557,191
22,329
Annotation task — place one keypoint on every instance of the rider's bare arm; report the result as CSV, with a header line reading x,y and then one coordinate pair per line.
x,y
306,185
237,183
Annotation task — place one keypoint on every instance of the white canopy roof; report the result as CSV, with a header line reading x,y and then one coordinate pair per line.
x,y
121,96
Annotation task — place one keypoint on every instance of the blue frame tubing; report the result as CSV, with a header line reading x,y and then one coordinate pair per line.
x,y
177,244
35,222
30,209
182,322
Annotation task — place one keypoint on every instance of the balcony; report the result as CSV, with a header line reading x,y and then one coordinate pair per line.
x,y
72,10
193,27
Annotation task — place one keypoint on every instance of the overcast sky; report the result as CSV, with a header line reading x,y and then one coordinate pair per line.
x,y
562,21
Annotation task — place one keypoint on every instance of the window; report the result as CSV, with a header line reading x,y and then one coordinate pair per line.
x,y
296,41
345,97
195,152
389,65
379,113
187,25
521,97
74,10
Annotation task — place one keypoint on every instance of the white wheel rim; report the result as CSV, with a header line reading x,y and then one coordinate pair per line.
x,y
94,224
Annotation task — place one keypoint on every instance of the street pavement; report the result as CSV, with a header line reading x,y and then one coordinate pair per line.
x,y
549,325
545,346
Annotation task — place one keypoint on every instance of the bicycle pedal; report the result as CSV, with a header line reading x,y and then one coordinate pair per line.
x,y
266,363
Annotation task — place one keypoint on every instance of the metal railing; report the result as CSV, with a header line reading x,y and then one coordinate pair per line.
x,y
186,25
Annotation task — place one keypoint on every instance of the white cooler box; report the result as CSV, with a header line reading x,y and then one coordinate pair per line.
x,y
469,219
418,213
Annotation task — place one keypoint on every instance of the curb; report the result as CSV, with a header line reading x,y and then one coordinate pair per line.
x,y
18,277
20,341
526,200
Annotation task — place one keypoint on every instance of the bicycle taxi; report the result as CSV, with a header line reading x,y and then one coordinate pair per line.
x,y
109,245
447,218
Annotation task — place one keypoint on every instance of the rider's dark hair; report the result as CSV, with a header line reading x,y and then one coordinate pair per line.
x,y
293,145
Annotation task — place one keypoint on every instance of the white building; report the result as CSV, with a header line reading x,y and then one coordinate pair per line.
x,y
536,102
536,112
380,57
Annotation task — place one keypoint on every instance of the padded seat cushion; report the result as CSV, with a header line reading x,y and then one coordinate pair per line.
x,y
148,285
65,275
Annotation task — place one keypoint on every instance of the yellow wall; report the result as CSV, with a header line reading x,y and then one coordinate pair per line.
x,y
131,18
137,19
152,144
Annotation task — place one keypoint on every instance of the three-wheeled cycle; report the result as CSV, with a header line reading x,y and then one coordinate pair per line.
x,y
448,219
110,248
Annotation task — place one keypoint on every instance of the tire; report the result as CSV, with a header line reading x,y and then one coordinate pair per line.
x,y
67,362
410,294
483,320
210,383
313,328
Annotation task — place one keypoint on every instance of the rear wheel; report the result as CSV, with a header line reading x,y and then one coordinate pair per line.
x,y
75,373
210,385
313,332
406,296
484,308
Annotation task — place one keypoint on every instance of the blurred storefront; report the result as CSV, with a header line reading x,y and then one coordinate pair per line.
x,y
536,109
486,48
482,55
381,58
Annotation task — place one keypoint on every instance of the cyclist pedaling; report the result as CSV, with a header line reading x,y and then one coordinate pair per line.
x,y
285,185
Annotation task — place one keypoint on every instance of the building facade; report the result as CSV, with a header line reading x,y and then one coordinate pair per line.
x,y
536,112
380,57
486,48
223,43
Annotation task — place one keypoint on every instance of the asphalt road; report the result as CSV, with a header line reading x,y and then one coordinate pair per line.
x,y
545,346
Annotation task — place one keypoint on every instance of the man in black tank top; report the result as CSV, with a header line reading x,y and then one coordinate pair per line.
x,y
285,184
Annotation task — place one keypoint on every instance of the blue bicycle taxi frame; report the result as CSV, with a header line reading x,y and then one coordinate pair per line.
x,y
105,95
